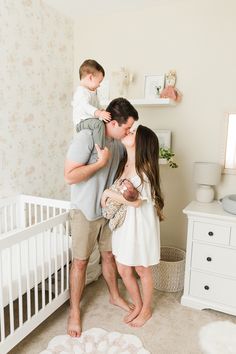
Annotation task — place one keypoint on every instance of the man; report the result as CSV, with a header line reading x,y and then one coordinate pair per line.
x,y
89,170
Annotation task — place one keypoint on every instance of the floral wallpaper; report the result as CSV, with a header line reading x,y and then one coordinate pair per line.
x,y
36,88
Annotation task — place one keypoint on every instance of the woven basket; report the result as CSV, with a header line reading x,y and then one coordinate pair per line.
x,y
168,275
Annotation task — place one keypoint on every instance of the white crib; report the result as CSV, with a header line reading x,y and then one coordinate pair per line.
x,y
34,264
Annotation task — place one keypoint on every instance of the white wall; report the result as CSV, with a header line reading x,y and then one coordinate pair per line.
x,y
36,88
197,38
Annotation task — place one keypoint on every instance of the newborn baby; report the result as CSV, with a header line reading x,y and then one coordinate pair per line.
x,y
115,211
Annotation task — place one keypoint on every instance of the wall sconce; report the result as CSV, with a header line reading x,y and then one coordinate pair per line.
x,y
206,175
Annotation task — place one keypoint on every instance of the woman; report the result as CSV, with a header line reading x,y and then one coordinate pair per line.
x,y
136,244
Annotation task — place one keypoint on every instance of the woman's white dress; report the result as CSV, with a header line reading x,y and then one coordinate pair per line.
x,y
137,241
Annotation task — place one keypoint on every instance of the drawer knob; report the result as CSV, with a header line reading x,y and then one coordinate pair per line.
x,y
210,233
206,287
209,259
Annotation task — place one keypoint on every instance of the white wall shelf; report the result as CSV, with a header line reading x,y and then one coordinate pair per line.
x,y
163,162
142,102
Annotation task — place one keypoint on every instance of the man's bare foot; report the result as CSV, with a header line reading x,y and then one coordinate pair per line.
x,y
132,314
141,319
120,302
74,325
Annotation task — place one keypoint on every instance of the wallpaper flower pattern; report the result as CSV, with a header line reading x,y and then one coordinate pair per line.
x,y
36,88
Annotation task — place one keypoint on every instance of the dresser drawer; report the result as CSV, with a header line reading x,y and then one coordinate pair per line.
x,y
214,259
211,233
212,288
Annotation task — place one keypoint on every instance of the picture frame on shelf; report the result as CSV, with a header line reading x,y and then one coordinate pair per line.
x,y
164,137
103,91
153,86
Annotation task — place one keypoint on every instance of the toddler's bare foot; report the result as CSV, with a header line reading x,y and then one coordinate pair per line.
x,y
120,302
74,325
132,314
141,319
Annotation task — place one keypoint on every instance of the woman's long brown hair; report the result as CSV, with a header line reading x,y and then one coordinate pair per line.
x,y
146,164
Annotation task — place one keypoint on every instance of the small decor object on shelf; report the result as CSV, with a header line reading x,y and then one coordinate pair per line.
x,y
170,91
154,84
123,80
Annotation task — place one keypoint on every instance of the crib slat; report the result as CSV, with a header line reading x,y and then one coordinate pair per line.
x,y
67,254
2,318
5,219
62,257
55,258
35,213
42,269
49,236
9,266
19,279
30,215
28,280
41,213
11,216
34,252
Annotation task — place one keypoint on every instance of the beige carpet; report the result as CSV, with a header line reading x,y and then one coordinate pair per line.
x,y
173,329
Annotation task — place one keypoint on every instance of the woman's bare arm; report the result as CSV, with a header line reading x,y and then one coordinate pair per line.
x,y
120,199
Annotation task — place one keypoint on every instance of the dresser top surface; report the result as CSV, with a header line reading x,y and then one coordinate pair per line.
x,y
213,210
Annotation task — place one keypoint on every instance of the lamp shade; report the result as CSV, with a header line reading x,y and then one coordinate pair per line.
x,y
207,173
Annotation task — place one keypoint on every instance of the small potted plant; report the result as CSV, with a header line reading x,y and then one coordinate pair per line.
x,y
168,155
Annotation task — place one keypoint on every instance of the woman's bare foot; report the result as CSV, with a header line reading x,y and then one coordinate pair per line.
x,y
120,302
74,325
141,319
132,314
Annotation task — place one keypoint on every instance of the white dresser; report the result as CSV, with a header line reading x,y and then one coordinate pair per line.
x,y
210,273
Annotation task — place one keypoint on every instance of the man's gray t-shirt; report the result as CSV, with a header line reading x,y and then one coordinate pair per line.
x,y
86,195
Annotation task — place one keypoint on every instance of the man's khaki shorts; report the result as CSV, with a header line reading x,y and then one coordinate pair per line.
x,y
85,233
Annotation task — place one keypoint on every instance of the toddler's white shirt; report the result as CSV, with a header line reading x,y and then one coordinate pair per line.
x,y
85,103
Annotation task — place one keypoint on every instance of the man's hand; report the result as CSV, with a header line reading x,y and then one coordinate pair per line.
x,y
103,155
103,200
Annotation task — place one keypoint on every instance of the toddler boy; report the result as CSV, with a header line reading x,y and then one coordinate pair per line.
x,y
87,113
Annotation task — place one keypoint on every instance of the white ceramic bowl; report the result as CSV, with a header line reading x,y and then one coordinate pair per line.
x,y
229,203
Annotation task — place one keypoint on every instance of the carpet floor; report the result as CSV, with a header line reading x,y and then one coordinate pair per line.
x,y
173,328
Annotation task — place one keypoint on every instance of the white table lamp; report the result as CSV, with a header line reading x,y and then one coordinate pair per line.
x,y
206,175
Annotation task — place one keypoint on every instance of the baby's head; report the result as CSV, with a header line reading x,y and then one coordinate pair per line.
x,y
128,191
91,74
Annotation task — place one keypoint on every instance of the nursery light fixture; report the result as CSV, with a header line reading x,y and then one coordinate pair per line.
x,y
206,175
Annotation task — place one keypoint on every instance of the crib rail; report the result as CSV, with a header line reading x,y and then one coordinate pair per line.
x,y
24,211
34,274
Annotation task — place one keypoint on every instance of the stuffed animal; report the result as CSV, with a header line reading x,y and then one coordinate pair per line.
x,y
170,91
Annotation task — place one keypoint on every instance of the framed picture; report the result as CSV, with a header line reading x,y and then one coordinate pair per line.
x,y
153,86
164,137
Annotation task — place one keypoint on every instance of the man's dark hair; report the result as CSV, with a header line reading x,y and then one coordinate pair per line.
x,y
90,66
121,109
